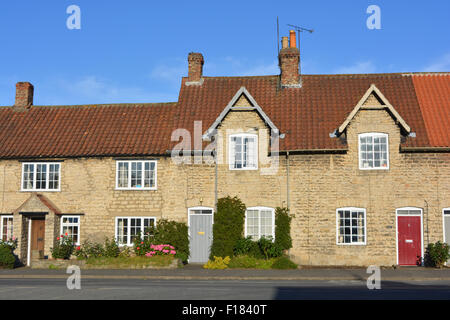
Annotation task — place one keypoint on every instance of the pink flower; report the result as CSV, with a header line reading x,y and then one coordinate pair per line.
x,y
165,251
138,248
173,252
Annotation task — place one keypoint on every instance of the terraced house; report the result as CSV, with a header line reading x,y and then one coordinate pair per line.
x,y
361,160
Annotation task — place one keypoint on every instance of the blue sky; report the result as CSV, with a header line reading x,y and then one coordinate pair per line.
x,y
136,51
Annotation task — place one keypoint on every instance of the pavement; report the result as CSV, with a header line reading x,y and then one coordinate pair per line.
x,y
196,272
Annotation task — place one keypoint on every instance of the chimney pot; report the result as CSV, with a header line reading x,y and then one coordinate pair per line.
x,y
292,39
289,59
195,69
284,42
24,95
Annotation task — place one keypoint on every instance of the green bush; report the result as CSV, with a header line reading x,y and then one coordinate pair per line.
x,y
172,233
284,263
112,249
243,246
264,248
283,228
218,263
89,250
7,259
228,226
437,254
63,248
269,248
246,262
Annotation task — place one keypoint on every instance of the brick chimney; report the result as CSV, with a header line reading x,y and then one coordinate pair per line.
x,y
195,61
24,95
289,59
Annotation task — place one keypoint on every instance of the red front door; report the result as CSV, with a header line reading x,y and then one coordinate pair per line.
x,y
409,240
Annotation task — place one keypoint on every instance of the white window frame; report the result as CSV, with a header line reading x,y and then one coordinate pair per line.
x,y
142,176
129,242
373,135
62,224
351,209
397,214
259,221
9,216
47,177
231,151
443,222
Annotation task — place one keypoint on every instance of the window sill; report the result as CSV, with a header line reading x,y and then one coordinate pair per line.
x,y
41,190
135,189
243,169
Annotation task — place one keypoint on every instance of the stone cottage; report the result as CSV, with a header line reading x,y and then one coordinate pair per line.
x,y
362,161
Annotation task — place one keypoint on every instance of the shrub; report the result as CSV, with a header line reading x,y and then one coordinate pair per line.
x,y
141,246
125,252
284,263
228,226
161,250
63,248
89,250
269,248
264,248
175,234
246,261
218,263
112,249
7,259
283,228
243,246
437,254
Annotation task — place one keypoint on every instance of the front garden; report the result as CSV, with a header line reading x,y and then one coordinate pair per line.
x,y
164,246
231,250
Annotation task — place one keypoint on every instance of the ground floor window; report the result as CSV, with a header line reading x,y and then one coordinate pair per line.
x,y
128,228
6,228
70,226
351,226
260,222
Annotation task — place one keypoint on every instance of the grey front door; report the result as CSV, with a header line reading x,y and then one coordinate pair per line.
x,y
200,231
447,228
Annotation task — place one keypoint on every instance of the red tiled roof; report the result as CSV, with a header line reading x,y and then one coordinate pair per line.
x,y
309,114
48,203
305,115
433,93
76,131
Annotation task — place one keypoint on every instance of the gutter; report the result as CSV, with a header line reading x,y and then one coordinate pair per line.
x,y
424,149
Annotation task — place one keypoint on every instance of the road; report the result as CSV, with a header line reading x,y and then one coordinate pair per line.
x,y
138,289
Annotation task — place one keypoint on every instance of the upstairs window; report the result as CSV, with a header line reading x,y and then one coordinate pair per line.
x,y
41,176
243,152
373,151
260,222
136,175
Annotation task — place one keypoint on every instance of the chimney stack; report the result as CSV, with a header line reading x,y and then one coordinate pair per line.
x,y
195,71
24,95
289,59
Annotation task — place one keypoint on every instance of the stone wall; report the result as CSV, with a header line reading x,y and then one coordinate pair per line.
x,y
318,185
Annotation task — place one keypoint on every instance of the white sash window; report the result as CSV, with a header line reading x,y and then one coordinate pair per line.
x,y
243,152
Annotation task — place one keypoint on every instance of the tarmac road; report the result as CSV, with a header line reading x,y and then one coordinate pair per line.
x,y
151,289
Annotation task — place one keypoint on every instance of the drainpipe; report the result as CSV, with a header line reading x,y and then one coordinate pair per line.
x,y
215,181
287,180
428,233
